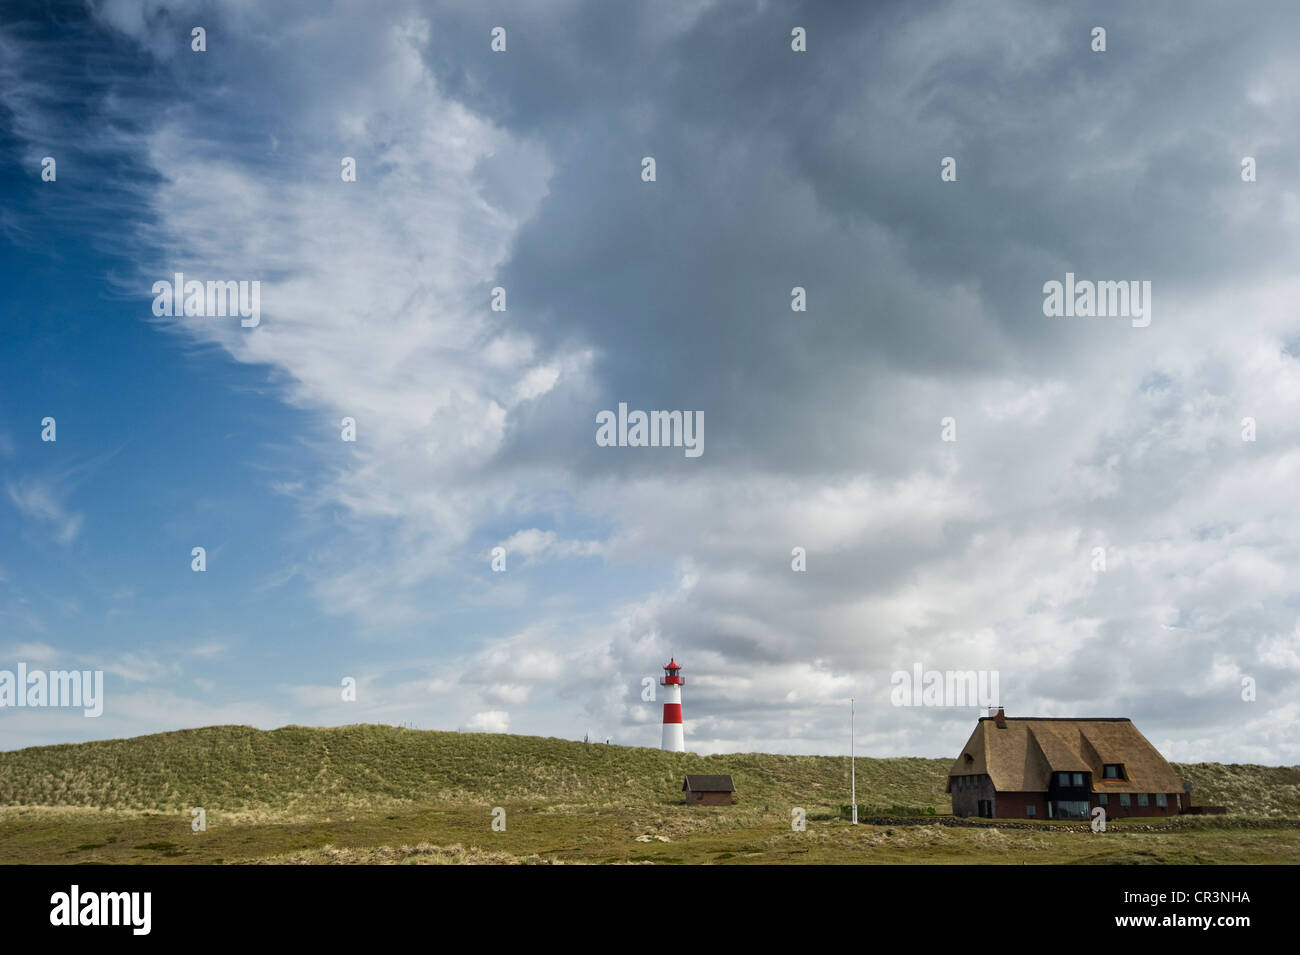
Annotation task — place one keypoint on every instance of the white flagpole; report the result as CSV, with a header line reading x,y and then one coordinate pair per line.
x,y
853,770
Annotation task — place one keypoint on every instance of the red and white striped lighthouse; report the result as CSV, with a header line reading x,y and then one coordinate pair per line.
x,y
673,739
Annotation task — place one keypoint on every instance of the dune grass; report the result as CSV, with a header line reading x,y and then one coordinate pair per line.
x,y
380,794
303,769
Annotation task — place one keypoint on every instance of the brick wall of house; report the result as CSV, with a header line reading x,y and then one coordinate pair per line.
x,y
1175,804
708,799
1013,805
966,798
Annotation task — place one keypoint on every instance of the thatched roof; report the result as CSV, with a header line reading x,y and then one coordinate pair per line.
x,y
1022,757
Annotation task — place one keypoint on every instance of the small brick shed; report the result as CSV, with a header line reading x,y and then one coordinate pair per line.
x,y
708,790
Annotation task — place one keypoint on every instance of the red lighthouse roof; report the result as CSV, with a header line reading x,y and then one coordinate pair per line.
x,y
672,665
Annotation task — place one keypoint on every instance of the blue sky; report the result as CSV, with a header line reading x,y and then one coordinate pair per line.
x,y
475,429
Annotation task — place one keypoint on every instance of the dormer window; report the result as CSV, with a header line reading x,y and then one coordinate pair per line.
x,y
1113,771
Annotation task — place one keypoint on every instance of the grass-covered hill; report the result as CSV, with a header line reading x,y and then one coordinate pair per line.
x,y
301,769
240,768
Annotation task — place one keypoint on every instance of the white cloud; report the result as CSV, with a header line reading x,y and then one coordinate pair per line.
x,y
489,721
135,667
33,653
533,544
39,501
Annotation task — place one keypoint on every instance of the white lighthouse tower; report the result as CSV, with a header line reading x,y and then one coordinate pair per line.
x,y
673,740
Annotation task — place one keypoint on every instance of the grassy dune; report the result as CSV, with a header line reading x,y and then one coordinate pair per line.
x,y
303,769
383,794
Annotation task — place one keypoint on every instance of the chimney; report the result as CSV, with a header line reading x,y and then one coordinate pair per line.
x,y
999,716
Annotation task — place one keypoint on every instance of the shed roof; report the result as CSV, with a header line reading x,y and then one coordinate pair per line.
x,y
708,784
1023,756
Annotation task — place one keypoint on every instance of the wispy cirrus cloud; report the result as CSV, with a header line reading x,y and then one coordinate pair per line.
x,y
42,502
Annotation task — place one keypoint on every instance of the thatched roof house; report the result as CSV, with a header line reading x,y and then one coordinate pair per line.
x,y
1039,767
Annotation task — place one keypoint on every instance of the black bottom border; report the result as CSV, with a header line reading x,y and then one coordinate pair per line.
x,y
306,903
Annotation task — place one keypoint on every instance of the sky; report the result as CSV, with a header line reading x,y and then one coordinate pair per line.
x,y
952,545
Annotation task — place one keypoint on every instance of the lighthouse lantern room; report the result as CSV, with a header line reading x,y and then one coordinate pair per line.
x,y
673,740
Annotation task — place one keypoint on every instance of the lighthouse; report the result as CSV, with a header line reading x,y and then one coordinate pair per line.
x,y
673,740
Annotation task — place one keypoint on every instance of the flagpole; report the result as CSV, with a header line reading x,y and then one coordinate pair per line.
x,y
853,770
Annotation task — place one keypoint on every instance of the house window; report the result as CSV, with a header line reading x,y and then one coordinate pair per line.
x,y
1161,800
1125,799
1069,809
1113,771
1104,799
1142,799
1076,779
1031,811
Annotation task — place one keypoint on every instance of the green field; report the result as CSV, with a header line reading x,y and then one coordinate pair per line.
x,y
383,794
